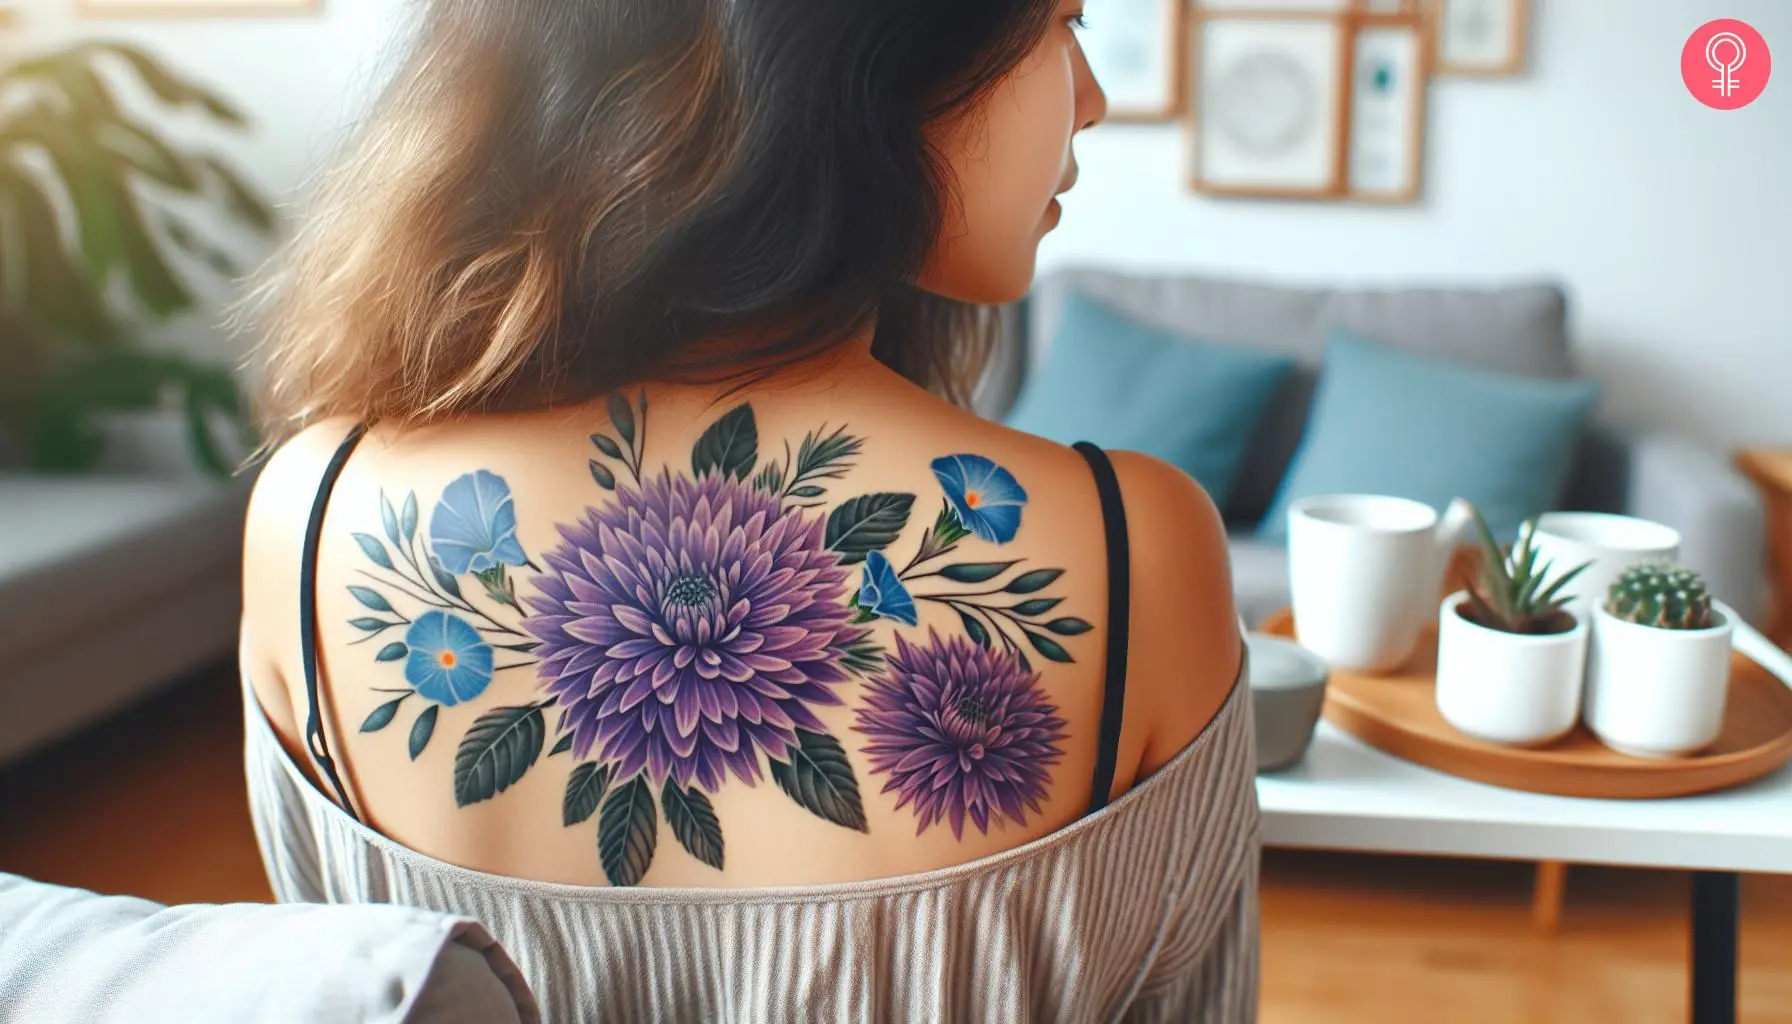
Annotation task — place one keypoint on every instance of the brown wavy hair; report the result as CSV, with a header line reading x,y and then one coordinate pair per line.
x,y
555,198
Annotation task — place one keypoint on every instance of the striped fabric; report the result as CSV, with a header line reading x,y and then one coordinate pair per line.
x,y
1144,911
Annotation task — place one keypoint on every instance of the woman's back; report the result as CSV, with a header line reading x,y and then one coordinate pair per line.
x,y
786,691
876,806
823,631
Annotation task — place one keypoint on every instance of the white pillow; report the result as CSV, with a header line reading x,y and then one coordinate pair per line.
x,y
71,955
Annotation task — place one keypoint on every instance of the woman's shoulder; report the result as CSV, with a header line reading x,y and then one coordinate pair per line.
x,y
287,481
292,470
286,485
1186,647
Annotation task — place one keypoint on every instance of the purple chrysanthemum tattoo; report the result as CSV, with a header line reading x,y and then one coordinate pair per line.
x,y
687,626
692,620
960,730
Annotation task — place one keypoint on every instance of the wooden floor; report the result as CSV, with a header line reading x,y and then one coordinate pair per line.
x,y
151,804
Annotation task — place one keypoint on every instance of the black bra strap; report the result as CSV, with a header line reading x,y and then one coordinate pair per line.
x,y
1113,699
314,726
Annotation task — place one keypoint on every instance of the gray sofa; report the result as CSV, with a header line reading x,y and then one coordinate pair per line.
x,y
1518,329
111,586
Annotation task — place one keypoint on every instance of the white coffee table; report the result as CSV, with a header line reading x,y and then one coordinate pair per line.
x,y
1346,795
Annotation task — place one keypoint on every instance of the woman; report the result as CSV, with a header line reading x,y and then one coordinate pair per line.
x,y
627,577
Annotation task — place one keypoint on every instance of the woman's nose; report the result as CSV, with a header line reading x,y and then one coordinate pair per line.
x,y
1091,101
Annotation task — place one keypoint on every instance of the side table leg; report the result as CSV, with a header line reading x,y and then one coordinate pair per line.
x,y
1715,909
1546,896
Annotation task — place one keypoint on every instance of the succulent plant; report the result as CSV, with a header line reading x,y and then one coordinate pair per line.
x,y
1660,594
1512,591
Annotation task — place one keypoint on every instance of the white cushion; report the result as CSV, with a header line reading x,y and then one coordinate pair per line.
x,y
71,955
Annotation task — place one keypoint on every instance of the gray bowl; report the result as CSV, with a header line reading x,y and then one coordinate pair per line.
x,y
1287,692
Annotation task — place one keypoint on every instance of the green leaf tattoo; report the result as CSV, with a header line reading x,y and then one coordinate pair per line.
x,y
496,752
606,444
627,831
624,419
730,446
584,791
692,819
382,716
975,572
601,473
388,519
819,777
975,629
870,522
1038,579
374,550
1047,646
371,598
423,728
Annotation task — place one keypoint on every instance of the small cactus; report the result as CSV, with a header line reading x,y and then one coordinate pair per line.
x,y
1660,594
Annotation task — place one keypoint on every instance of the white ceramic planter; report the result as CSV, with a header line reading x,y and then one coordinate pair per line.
x,y
1658,692
1510,688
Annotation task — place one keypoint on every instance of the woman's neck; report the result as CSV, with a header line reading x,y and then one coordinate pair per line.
x,y
849,357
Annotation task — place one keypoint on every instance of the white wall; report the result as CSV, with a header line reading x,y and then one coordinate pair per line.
x,y
1671,223
300,79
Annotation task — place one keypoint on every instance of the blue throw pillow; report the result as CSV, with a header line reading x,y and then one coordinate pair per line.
x,y
1121,384
1386,421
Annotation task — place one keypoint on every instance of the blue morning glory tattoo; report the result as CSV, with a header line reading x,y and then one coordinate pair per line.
x,y
687,626
474,526
882,594
985,497
448,649
448,662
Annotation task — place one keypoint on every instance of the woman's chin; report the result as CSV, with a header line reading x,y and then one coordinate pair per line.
x,y
992,286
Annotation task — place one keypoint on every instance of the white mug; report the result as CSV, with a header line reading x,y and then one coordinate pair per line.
x,y
1609,543
1364,573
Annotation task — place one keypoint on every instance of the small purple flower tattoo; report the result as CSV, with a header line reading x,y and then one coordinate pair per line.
x,y
960,730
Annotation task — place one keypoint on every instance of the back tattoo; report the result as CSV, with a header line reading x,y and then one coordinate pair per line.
x,y
689,622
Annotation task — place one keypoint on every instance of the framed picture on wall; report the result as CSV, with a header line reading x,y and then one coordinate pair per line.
x,y
1389,62
1267,103
1275,6
193,8
1477,37
1136,49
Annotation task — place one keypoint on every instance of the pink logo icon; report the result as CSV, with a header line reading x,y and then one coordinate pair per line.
x,y
1725,64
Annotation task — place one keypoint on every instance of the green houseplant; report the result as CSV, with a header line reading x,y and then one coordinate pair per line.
x,y
105,227
1511,657
1512,590
1660,674
1662,595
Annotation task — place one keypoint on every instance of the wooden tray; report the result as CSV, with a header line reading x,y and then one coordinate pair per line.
x,y
1397,713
